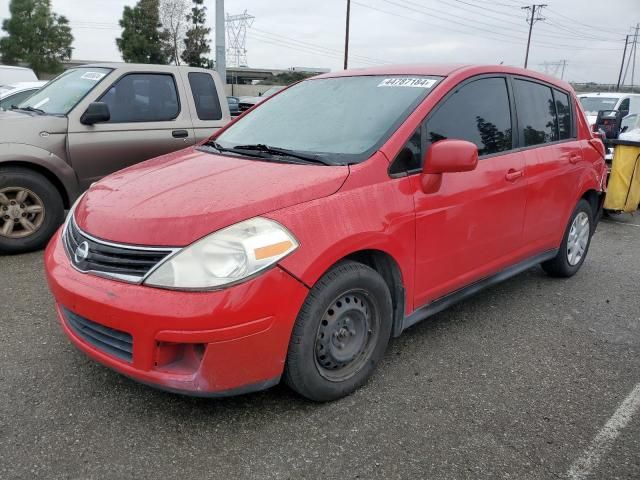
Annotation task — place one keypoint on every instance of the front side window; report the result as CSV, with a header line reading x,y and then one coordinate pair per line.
x,y
563,107
342,119
478,112
205,96
143,97
624,106
536,112
62,94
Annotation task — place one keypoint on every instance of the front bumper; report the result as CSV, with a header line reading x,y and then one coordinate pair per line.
x,y
206,344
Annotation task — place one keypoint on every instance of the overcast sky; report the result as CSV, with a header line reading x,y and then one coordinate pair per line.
x,y
589,34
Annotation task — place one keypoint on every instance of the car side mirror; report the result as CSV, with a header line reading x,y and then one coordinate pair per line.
x,y
447,156
96,112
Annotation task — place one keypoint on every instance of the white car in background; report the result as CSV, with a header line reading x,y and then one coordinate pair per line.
x,y
247,102
16,93
626,103
10,74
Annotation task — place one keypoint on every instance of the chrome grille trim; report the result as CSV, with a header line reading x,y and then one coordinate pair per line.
x,y
122,262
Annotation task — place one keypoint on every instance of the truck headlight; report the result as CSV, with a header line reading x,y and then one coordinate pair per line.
x,y
227,256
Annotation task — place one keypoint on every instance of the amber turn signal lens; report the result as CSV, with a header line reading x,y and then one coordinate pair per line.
x,y
272,250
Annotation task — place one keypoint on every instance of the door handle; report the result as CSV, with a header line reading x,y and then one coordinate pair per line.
x,y
512,175
180,134
575,158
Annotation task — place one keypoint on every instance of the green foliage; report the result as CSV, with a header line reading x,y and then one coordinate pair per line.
x,y
37,36
197,38
286,78
142,39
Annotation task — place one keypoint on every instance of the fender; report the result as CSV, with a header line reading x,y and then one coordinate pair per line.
x,y
328,231
26,155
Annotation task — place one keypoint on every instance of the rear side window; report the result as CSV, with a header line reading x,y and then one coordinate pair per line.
x,y
205,96
563,108
478,112
536,113
143,97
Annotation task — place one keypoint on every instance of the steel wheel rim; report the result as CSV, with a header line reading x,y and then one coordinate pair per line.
x,y
22,212
578,238
346,336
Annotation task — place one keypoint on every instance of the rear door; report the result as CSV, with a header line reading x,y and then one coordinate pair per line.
x,y
472,227
548,138
207,102
148,119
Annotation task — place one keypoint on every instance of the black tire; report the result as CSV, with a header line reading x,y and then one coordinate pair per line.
x,y
357,298
52,209
560,266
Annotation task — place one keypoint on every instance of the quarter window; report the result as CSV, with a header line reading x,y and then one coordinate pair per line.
x,y
478,112
143,97
536,113
563,108
205,96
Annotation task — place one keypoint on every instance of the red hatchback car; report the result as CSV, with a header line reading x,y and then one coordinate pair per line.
x,y
338,213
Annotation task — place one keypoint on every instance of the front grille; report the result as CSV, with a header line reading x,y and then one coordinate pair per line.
x,y
109,340
120,262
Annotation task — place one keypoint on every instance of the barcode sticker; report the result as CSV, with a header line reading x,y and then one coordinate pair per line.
x,y
408,82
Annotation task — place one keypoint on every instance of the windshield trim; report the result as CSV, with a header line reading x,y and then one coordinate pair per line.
x,y
64,114
354,158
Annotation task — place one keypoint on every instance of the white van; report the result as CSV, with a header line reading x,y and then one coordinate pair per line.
x,y
626,103
9,75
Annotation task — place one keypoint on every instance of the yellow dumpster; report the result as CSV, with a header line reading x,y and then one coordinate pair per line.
x,y
623,191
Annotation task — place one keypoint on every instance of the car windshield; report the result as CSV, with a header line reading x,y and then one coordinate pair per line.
x,y
344,119
59,96
592,105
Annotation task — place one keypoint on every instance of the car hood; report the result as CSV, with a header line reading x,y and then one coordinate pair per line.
x,y
178,198
29,128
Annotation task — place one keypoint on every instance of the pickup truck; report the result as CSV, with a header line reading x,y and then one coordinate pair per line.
x,y
87,123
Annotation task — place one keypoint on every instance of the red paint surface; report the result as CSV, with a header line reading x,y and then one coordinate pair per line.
x,y
473,224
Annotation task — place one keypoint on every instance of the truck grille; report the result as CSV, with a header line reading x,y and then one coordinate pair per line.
x,y
109,340
120,262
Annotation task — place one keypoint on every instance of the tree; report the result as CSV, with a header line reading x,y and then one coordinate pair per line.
x,y
197,42
142,41
173,16
37,37
286,78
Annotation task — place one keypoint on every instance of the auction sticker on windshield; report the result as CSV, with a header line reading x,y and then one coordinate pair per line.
x,y
94,76
408,82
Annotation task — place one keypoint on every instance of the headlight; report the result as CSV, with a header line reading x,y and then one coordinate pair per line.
x,y
226,256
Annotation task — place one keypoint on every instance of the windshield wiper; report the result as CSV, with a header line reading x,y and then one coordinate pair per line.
x,y
222,149
260,147
29,109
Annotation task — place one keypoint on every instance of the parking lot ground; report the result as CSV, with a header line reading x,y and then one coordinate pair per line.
x,y
515,383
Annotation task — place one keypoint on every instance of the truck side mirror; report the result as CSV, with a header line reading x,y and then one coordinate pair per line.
x,y
96,112
609,121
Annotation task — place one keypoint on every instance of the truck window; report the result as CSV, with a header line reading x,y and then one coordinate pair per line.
x,y
143,97
205,96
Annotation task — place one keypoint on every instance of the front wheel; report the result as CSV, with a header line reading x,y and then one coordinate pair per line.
x,y
30,210
575,243
341,333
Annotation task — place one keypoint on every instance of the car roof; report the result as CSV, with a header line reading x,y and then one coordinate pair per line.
x,y
17,86
11,67
445,70
144,67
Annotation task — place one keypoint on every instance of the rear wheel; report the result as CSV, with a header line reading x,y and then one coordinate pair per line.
x,y
30,210
341,333
575,244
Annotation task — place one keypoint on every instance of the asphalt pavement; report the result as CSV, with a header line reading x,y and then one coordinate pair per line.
x,y
531,379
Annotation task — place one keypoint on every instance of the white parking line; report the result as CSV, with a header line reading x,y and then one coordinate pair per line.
x,y
603,441
622,223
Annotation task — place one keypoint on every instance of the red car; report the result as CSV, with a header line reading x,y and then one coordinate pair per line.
x,y
338,213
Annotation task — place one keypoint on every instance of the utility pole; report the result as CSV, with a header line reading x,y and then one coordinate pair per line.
x,y
221,61
624,54
635,53
532,19
564,65
346,37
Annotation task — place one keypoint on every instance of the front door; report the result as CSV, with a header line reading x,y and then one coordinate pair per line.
x,y
472,226
147,120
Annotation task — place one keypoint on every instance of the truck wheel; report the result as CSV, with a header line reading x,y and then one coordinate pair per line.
x,y
575,243
30,210
341,333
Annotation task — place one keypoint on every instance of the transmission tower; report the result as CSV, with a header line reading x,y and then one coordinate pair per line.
x,y
236,26
553,68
